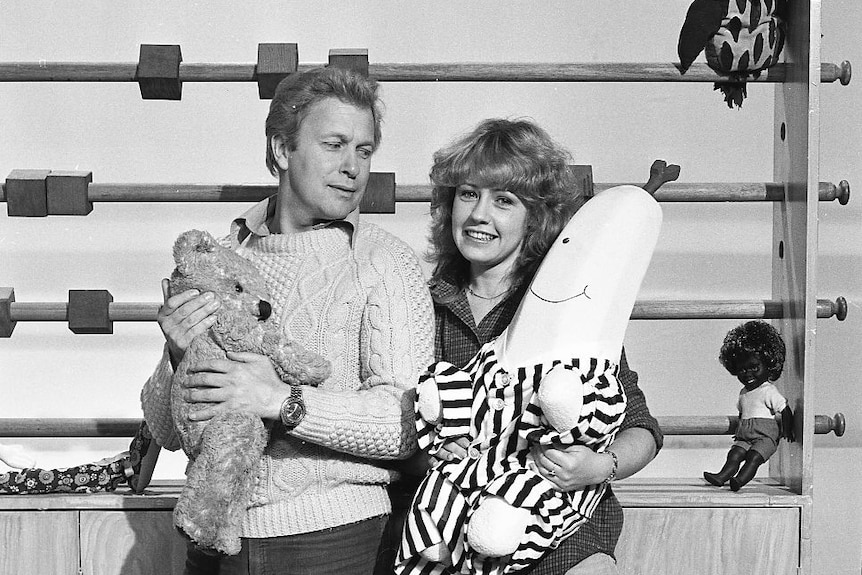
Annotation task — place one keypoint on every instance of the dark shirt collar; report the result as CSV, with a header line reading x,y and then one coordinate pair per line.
x,y
254,221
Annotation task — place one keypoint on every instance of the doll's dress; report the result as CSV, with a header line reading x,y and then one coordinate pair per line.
x,y
498,412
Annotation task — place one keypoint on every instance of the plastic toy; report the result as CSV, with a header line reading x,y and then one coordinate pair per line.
x,y
754,353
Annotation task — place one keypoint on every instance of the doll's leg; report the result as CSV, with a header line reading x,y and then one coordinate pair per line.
x,y
735,457
753,460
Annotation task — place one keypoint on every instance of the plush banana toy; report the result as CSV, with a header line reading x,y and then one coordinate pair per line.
x,y
549,378
741,38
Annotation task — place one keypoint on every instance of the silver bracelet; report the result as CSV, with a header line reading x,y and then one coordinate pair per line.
x,y
616,461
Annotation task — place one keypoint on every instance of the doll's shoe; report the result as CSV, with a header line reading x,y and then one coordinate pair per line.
x,y
714,478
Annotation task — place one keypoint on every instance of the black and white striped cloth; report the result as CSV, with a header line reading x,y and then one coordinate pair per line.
x,y
498,413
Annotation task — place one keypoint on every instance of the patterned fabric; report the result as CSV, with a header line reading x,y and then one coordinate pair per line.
x,y
103,475
355,295
458,339
502,420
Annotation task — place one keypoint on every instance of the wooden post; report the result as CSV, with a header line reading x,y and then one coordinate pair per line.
x,y
794,261
27,193
7,324
88,312
379,195
68,193
274,63
158,73
355,59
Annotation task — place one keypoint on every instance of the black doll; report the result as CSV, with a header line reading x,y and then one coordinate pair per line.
x,y
754,353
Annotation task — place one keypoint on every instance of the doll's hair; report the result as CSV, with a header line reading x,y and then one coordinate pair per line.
x,y
512,154
754,338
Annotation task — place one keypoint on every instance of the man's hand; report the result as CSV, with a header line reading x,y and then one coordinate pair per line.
x,y
183,317
245,382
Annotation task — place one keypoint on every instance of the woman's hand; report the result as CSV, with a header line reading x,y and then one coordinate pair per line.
x,y
453,449
572,467
183,317
245,382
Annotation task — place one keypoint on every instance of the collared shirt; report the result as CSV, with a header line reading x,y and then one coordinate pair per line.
x,y
256,221
457,339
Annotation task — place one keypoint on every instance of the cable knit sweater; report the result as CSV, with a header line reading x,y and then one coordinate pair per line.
x,y
357,297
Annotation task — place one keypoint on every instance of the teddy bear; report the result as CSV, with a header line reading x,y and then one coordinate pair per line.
x,y
549,378
224,452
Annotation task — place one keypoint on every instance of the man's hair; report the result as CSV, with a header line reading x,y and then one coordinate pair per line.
x,y
754,337
515,155
298,92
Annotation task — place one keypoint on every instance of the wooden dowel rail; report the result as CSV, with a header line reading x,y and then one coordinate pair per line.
x,y
669,192
44,71
127,427
645,309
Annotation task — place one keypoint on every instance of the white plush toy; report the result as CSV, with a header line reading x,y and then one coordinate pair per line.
x,y
15,457
544,379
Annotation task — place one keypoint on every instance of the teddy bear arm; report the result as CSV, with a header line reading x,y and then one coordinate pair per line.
x,y
293,363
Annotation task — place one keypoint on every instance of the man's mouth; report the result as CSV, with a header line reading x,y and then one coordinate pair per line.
x,y
343,189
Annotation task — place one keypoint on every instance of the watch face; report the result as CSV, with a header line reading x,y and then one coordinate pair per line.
x,y
293,412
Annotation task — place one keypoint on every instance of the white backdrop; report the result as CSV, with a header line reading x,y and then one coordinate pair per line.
x,y
215,135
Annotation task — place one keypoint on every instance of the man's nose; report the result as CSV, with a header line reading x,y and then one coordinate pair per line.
x,y
349,165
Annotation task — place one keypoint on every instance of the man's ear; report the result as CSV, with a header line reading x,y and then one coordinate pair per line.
x,y
280,152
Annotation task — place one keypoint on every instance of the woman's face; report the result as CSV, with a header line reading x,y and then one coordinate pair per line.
x,y
488,226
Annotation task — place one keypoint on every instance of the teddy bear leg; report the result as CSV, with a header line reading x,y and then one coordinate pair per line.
x,y
220,481
497,528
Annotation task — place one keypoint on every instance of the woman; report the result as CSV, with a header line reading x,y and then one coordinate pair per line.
x,y
502,193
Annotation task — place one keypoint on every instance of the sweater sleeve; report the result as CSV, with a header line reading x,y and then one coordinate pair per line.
x,y
637,412
156,404
396,345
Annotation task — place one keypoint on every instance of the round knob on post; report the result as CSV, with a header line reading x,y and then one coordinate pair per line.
x,y
838,424
846,73
843,194
839,308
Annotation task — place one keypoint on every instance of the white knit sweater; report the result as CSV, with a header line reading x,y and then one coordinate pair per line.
x,y
366,308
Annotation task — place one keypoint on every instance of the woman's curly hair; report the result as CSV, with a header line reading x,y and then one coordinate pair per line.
x,y
754,338
516,155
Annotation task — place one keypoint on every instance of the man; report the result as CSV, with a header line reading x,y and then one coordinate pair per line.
x,y
351,292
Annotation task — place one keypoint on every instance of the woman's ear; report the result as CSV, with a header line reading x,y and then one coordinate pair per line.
x,y
278,147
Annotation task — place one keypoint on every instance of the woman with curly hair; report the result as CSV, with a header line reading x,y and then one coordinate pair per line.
x,y
502,194
754,353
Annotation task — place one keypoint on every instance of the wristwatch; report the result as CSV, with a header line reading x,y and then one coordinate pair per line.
x,y
616,461
293,408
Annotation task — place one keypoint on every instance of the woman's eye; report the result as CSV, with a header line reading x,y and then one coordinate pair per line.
x,y
466,194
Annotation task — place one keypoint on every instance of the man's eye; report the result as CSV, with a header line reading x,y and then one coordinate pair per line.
x,y
364,153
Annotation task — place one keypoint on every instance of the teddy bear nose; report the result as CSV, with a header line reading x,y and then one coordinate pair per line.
x,y
265,310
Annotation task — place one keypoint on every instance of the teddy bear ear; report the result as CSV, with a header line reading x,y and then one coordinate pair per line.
x,y
191,244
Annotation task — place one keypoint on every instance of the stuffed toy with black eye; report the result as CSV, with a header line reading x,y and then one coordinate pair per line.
x,y
741,38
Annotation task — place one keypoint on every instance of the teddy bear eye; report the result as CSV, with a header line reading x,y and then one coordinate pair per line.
x,y
238,288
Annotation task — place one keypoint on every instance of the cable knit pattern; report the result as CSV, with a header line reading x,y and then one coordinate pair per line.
x,y
366,308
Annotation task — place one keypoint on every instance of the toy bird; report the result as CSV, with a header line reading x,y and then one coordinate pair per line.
x,y
741,38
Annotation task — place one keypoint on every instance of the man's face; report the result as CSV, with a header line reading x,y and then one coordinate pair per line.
x,y
328,171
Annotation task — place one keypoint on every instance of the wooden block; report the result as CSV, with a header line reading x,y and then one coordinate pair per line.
x,y
7,324
88,311
27,193
379,195
68,193
355,59
584,176
158,72
274,63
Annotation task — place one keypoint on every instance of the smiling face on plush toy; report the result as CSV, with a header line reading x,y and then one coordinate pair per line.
x,y
206,266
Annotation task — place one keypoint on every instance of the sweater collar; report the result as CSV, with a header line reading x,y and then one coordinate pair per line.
x,y
254,222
